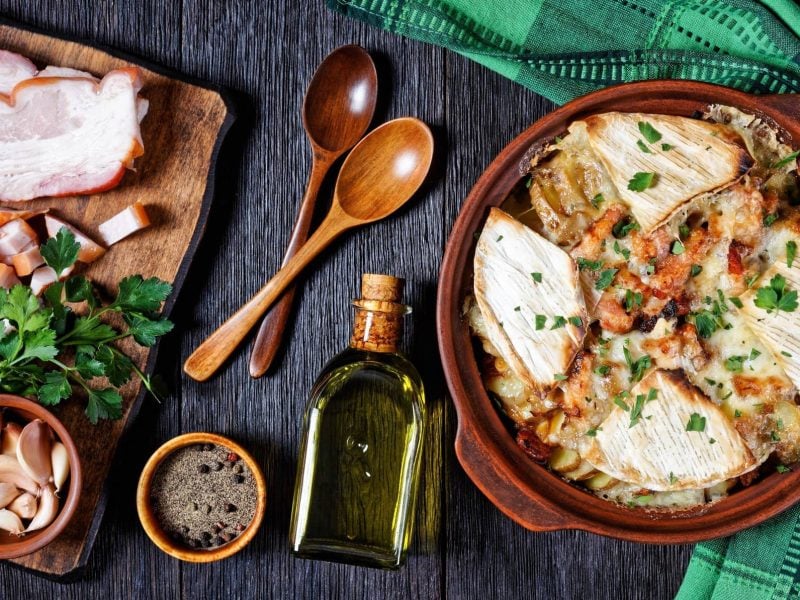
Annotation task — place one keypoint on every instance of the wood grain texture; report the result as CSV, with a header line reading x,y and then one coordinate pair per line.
x,y
463,547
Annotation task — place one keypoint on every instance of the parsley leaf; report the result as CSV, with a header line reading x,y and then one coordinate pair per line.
x,y
540,321
735,363
61,252
791,252
591,265
623,227
605,279
638,366
649,132
603,370
633,300
537,277
576,321
597,200
695,270
641,181
624,252
782,469
786,160
678,247
775,296
696,423
643,147
667,147
558,322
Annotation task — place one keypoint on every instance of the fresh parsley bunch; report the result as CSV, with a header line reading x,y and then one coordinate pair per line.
x,y
47,349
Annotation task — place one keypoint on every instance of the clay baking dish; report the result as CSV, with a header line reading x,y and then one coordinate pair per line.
x,y
525,491
150,522
12,546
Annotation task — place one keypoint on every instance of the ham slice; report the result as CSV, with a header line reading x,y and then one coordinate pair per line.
x,y
71,135
42,278
9,214
27,261
16,236
8,278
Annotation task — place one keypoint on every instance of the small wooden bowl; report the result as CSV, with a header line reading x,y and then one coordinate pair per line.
x,y
12,546
153,528
525,491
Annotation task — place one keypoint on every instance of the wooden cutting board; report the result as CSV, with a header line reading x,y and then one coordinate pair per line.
x,y
182,133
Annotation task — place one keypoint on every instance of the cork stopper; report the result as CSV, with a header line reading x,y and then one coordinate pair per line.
x,y
379,313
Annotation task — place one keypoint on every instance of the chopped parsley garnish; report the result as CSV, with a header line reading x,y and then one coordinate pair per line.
x,y
749,281
638,405
782,469
773,435
593,431
678,247
735,363
644,499
785,353
712,441
592,265
770,219
710,381
540,321
605,279
529,181
603,370
696,270
638,366
643,147
576,321
649,132
786,160
696,423
737,413
597,200
537,277
621,403
624,252
499,237
667,147
632,300
558,322
705,322
754,354
791,252
775,296
624,226
683,230
641,181
672,479
517,308
559,377
736,302
651,266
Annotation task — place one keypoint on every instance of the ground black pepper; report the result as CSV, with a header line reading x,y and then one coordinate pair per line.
x,y
198,503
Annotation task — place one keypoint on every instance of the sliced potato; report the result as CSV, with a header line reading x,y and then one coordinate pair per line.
x,y
563,460
600,481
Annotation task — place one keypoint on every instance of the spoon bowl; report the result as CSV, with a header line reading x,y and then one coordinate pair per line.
x,y
385,169
381,174
340,99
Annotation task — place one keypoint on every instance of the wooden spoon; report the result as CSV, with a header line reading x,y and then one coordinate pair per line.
x,y
337,110
378,177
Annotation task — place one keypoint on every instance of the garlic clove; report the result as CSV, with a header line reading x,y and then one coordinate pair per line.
x,y
12,472
47,510
10,522
33,451
8,491
24,506
10,438
60,461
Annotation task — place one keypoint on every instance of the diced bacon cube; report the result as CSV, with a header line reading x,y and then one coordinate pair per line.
x,y
27,261
132,219
90,250
8,277
15,236
42,278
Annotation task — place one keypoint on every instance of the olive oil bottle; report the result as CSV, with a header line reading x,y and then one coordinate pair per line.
x,y
360,453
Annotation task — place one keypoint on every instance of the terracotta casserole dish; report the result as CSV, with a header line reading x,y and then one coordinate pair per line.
x,y
529,493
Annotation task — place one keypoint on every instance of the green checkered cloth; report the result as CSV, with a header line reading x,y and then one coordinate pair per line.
x,y
565,48
562,49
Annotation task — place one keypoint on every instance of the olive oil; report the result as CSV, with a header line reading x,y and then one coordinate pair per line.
x,y
360,453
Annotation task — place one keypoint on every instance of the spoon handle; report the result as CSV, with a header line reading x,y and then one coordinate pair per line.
x,y
213,352
270,334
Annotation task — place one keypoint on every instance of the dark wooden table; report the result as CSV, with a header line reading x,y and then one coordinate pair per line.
x,y
266,52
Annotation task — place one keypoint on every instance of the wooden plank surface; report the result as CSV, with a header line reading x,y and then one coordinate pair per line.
x,y
464,548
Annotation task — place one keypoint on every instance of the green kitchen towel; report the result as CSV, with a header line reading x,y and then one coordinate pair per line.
x,y
761,563
565,48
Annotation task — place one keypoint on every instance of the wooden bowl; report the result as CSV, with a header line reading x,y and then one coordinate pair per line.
x,y
527,492
153,528
12,546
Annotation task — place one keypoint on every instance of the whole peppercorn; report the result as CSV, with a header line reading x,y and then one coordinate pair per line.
x,y
216,465
230,508
218,541
203,468
237,479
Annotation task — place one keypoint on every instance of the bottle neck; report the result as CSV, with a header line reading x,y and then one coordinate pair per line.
x,y
378,326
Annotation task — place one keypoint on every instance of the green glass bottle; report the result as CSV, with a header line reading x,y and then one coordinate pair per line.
x,y
358,469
